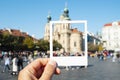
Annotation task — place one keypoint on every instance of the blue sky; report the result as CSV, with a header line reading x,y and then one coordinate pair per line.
x,y
31,15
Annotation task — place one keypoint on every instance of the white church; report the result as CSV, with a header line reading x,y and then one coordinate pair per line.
x,y
71,39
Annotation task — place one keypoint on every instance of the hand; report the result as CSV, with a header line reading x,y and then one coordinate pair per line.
x,y
40,69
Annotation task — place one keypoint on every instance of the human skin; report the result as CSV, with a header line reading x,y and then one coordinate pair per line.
x,y
40,69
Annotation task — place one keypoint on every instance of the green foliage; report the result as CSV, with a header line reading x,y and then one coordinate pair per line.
x,y
56,45
28,42
14,43
43,45
92,47
18,43
100,47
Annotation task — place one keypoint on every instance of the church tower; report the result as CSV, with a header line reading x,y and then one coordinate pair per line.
x,y
47,28
64,30
69,38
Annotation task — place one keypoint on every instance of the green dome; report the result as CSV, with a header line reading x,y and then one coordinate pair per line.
x,y
49,17
66,10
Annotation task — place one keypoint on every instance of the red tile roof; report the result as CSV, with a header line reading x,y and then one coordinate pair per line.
x,y
108,24
118,23
75,30
14,32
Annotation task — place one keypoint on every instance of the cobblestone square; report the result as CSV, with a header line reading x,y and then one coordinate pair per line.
x,y
96,70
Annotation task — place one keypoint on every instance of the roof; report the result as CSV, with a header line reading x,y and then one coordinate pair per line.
x,y
110,24
15,32
118,23
75,30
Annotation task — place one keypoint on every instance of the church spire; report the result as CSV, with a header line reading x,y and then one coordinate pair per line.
x,y
66,12
49,17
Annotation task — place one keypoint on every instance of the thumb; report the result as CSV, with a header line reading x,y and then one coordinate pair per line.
x,y
48,71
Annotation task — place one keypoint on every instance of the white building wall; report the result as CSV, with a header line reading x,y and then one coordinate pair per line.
x,y
75,43
47,32
111,36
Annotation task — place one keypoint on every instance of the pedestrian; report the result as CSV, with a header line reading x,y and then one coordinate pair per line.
x,y
7,62
118,57
20,62
0,57
30,58
14,65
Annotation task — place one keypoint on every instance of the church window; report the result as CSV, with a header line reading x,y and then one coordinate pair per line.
x,y
63,27
56,30
74,44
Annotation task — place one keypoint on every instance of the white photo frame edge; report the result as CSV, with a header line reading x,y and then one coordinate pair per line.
x,y
75,60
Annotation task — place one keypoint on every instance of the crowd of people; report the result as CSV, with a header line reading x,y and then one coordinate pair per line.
x,y
27,64
104,55
13,62
68,54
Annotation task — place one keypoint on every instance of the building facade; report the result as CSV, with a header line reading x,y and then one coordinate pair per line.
x,y
70,38
93,39
111,36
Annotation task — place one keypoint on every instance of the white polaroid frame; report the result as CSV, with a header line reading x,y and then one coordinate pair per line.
x,y
70,60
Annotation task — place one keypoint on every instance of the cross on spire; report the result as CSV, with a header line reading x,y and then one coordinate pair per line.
x,y
66,4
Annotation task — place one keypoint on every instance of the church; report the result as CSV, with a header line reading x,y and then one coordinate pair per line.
x,y
70,38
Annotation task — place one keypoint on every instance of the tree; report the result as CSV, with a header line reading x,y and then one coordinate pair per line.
x,y
6,41
9,42
56,45
18,43
28,43
92,47
43,45
100,47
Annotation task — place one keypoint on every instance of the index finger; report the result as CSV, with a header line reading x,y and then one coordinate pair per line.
x,y
36,65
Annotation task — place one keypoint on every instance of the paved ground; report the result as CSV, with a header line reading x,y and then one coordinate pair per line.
x,y
97,70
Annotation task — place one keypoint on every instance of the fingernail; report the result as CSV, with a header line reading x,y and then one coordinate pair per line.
x,y
52,62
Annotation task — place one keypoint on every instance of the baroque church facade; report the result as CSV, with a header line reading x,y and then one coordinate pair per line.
x,y
70,38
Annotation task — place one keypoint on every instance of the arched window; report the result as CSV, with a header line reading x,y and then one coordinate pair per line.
x,y
63,27
75,44
63,41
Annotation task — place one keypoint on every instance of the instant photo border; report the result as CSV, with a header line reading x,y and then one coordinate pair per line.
x,y
70,60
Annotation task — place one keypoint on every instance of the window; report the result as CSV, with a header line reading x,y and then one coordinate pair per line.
x,y
63,27
74,44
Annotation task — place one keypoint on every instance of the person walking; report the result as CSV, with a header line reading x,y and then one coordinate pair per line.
x,y
14,65
30,58
20,62
7,62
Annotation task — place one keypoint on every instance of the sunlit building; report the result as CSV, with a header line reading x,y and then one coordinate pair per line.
x,y
17,33
69,38
111,36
